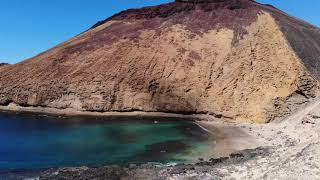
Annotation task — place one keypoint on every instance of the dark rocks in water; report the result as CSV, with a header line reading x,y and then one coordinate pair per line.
x,y
108,172
144,171
161,151
166,147
213,161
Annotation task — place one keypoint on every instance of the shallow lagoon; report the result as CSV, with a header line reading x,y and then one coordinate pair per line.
x,y
41,141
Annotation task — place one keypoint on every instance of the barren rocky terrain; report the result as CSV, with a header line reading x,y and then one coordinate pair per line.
x,y
233,65
233,59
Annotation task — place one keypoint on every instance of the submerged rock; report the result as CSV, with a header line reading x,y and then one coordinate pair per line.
x,y
202,170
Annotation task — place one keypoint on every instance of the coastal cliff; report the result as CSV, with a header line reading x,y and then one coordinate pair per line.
x,y
234,59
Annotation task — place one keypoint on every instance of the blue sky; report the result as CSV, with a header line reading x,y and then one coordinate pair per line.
x,y
32,26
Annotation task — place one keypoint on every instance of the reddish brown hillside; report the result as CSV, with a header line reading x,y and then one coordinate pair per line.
x,y
234,59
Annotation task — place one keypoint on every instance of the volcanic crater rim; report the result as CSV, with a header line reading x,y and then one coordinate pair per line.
x,y
209,1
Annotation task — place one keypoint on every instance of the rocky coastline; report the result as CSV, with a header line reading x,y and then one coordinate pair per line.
x,y
212,61
284,149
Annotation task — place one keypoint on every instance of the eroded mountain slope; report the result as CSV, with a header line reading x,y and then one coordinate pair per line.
x,y
231,59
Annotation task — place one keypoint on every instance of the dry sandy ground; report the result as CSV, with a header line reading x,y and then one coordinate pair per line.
x,y
293,149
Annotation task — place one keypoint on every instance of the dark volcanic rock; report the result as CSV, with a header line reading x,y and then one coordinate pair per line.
x,y
145,171
162,150
3,64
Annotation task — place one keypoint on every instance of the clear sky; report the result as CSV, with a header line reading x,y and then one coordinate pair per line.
x,y
29,27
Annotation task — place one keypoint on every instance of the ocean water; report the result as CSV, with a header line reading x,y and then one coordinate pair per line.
x,y
42,141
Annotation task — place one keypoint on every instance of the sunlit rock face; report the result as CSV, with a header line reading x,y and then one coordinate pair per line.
x,y
233,59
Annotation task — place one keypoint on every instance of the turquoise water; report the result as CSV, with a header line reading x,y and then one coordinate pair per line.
x,y
42,141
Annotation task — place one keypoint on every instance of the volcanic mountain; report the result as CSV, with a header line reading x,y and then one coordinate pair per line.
x,y
234,59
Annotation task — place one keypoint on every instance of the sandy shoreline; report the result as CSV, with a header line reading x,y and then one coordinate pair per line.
x,y
227,138
287,149
73,112
292,143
